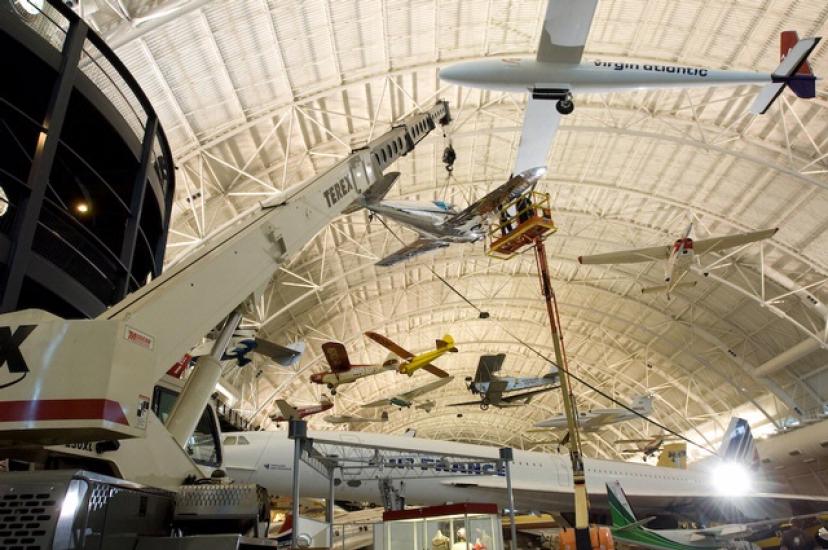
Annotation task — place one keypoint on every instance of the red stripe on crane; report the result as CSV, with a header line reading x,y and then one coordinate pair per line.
x,y
62,409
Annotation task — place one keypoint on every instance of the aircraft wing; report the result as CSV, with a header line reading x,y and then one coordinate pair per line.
x,y
729,241
390,345
426,388
286,356
487,365
420,246
337,356
628,256
464,403
565,29
378,403
436,371
540,124
519,183
598,420
563,35
524,395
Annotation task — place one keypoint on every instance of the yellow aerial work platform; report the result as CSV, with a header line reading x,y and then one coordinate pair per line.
x,y
523,221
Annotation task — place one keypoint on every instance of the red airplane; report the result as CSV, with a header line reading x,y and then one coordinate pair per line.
x,y
289,412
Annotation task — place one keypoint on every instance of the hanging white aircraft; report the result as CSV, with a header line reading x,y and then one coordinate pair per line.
x,y
595,419
678,256
351,419
440,224
408,398
540,480
557,72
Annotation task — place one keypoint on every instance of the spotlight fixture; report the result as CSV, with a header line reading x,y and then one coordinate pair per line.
x,y
82,207
27,8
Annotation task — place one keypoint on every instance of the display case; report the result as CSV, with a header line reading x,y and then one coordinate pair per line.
x,y
464,526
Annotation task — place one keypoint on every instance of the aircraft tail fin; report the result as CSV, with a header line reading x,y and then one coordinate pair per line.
x,y
620,510
375,193
738,445
643,403
793,71
286,409
673,455
446,342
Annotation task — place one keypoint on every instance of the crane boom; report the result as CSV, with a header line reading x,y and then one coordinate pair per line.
x,y
76,380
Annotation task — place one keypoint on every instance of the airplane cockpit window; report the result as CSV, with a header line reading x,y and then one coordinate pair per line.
x,y
243,440
229,440
203,445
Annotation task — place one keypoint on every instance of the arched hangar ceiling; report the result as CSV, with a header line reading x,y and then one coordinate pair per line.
x,y
260,95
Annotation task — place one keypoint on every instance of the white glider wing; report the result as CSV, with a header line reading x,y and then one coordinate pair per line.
x,y
628,256
729,241
540,124
564,33
565,30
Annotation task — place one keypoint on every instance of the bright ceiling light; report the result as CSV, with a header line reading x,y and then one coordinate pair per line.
x,y
82,208
32,7
4,202
732,479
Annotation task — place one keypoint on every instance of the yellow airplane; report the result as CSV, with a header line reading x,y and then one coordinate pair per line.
x,y
406,362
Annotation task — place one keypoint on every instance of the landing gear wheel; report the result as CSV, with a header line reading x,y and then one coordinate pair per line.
x,y
565,106
333,390
484,406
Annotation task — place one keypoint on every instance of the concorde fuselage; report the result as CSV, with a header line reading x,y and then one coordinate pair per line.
x,y
542,481
522,75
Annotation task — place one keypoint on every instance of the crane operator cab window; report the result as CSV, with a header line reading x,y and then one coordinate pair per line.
x,y
203,446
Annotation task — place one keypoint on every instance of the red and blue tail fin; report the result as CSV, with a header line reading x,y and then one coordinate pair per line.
x,y
793,71
802,81
738,444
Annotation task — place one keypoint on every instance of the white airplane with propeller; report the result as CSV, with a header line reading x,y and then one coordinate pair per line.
x,y
679,256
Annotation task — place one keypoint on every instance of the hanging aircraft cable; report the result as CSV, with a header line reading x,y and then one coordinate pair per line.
x,y
483,314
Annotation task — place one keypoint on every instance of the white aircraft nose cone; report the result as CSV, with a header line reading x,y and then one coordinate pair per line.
x,y
455,74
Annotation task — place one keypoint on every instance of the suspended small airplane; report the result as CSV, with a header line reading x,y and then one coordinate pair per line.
x,y
678,256
408,398
557,72
399,360
440,224
492,388
410,362
647,447
595,419
351,419
626,528
289,412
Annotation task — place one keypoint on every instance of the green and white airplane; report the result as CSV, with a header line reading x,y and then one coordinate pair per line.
x,y
733,536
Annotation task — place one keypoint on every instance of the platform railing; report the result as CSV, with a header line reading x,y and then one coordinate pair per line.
x,y
520,221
